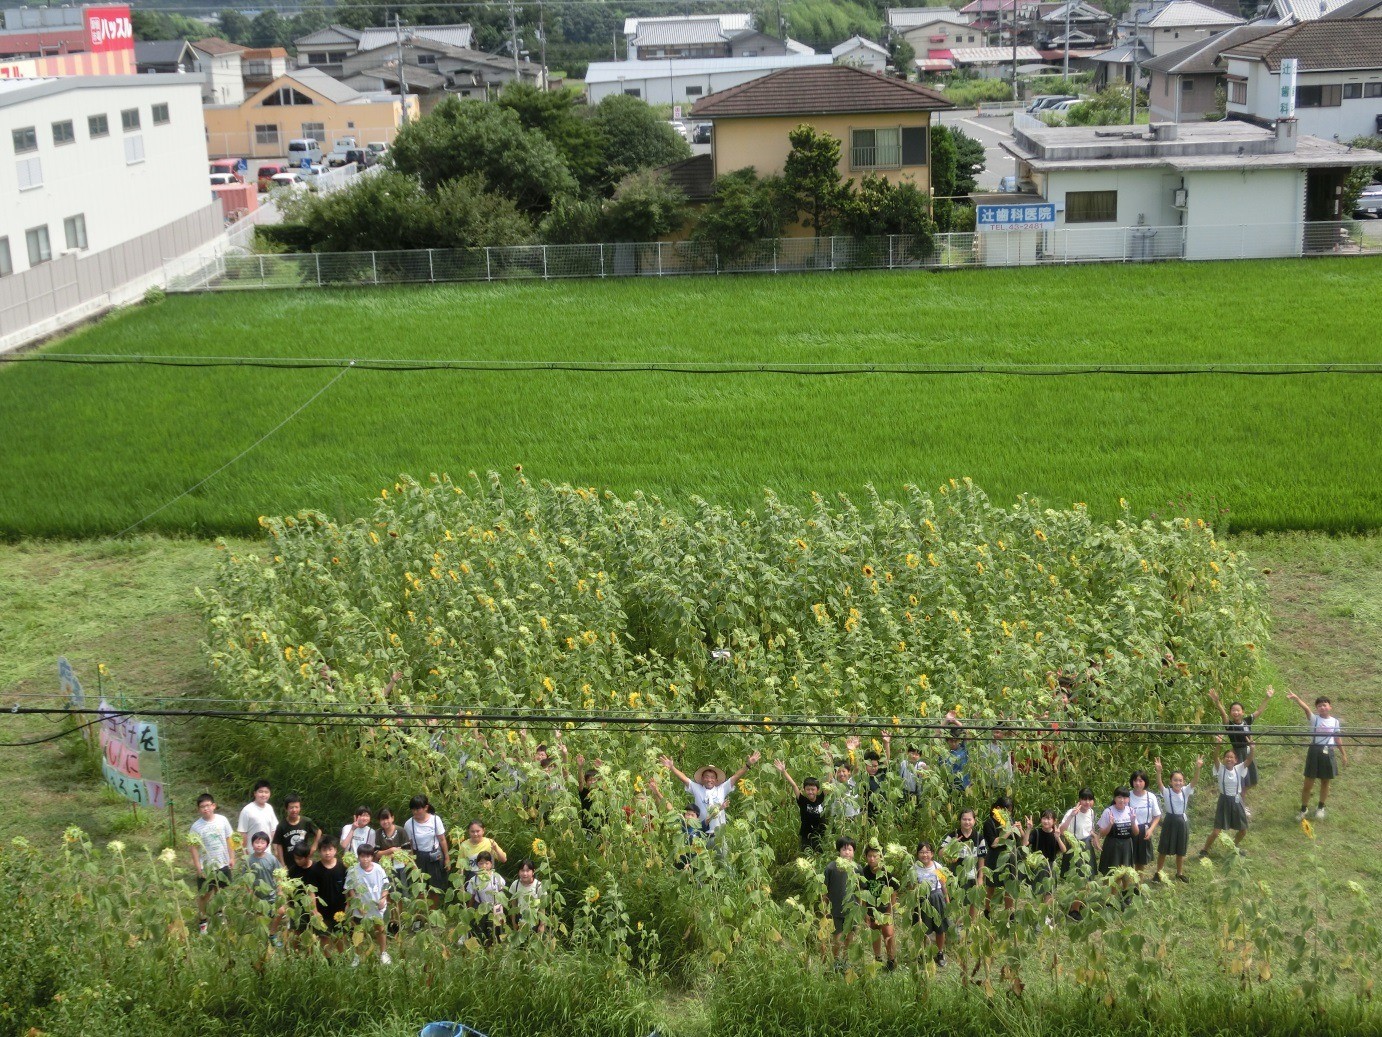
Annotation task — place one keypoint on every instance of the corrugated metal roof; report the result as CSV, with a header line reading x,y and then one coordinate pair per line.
x,y
1290,12
1355,9
903,18
824,90
728,22
687,33
992,55
319,82
855,42
455,35
613,71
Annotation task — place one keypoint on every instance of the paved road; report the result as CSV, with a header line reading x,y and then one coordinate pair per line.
x,y
990,131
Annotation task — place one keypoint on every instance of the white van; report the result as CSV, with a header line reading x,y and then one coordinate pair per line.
x,y
303,148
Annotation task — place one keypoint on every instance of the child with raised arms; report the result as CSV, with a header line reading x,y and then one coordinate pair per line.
x,y
810,807
1229,774
1325,754
1175,818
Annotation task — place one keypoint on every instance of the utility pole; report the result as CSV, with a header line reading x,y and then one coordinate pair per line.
x,y
1012,30
542,43
1066,72
402,68
513,39
1136,65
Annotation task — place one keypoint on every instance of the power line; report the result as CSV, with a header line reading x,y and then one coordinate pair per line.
x,y
692,367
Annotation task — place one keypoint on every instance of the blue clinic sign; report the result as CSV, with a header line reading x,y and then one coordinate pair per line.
x,y
1015,217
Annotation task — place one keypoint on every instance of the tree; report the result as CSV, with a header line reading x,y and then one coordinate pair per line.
x,y
745,211
1358,177
163,25
879,207
944,163
904,58
557,117
635,137
644,208
234,27
969,160
462,137
812,177
269,30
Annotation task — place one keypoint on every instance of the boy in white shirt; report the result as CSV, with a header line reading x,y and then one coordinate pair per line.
x,y
213,853
257,815
367,887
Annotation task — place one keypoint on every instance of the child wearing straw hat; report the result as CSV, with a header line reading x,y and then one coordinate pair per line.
x,y
710,788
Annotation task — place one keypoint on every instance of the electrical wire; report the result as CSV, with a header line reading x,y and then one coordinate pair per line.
x,y
53,737
404,365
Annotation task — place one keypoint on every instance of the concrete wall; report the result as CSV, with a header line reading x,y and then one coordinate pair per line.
x,y
230,130
120,195
763,143
1266,207
1355,117
1172,101
1144,193
73,287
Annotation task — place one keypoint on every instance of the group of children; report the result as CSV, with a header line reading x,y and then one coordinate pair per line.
x,y
389,860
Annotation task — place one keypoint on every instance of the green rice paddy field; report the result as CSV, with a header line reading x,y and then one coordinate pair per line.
x,y
91,449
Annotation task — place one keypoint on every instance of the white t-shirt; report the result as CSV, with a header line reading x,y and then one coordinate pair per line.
x,y
215,841
843,799
710,803
522,896
1231,779
1324,729
425,836
1145,807
254,818
1079,825
353,838
929,878
1177,802
369,888
486,887
911,773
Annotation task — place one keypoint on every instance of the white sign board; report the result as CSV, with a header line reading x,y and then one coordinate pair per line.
x,y
1286,107
1034,216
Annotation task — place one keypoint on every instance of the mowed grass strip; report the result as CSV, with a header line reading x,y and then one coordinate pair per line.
x,y
90,450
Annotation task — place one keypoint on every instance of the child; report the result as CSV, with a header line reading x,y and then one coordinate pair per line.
x,y
525,899
810,806
844,794
1047,846
328,878
1175,824
486,890
213,853
368,890
964,851
1002,839
711,789
690,826
873,785
1119,829
1319,758
841,881
294,829
260,866
1238,724
956,757
358,832
426,833
1230,774
592,815
257,815
1079,823
931,880
476,843
1148,812
880,893
910,770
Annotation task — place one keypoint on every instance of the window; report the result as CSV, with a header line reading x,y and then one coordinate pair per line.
x,y
875,149
633,93
74,227
693,91
1327,95
6,264
314,131
134,149
285,95
316,57
1187,85
914,146
63,133
1091,206
160,114
98,126
40,251
129,119
426,59
30,172
266,134
1372,89
1237,91
1353,91
25,139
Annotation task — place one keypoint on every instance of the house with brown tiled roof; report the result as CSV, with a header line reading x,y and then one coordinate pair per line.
x,y
883,124
1338,78
1184,85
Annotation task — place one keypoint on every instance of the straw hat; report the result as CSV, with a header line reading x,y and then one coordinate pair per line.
x,y
717,776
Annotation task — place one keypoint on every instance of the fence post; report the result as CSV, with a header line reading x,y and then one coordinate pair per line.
x,y
890,251
832,252
602,260
489,276
659,259
717,261
261,271
319,269
544,262
374,264
431,272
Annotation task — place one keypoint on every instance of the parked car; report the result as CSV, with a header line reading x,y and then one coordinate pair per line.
x,y
377,148
267,173
1042,102
227,167
339,149
221,179
681,129
304,148
361,157
292,181
701,134
1369,202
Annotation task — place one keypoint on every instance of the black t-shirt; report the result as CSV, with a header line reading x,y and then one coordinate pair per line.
x,y
840,877
330,884
873,793
295,872
998,840
879,885
1045,843
287,836
1238,735
812,820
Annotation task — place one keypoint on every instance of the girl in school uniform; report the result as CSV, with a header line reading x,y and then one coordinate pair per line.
x,y
931,881
1148,812
1118,828
1231,775
1175,819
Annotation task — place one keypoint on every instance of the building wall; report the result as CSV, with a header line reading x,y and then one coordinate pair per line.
x,y
1221,204
1185,98
230,130
124,184
1144,193
1354,117
955,36
223,84
671,86
763,143
863,57
1162,41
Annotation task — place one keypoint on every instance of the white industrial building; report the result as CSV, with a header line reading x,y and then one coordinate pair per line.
x,y
106,178
684,80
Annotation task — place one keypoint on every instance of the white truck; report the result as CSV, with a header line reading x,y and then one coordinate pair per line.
x,y
339,147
